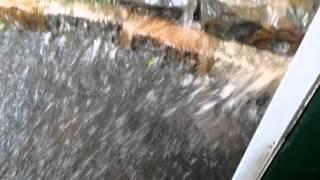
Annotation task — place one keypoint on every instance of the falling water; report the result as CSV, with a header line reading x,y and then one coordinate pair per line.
x,y
74,105
188,12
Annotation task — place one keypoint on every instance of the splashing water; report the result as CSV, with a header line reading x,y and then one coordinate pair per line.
x,y
188,12
73,105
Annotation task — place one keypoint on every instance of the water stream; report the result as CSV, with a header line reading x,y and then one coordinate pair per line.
x,y
74,105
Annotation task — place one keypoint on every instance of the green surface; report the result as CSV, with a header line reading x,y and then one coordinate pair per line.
x,y
150,61
2,25
299,158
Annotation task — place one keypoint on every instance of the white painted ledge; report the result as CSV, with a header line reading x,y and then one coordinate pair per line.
x,y
296,86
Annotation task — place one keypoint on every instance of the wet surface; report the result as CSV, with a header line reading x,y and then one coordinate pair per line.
x,y
270,25
73,105
227,20
282,15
